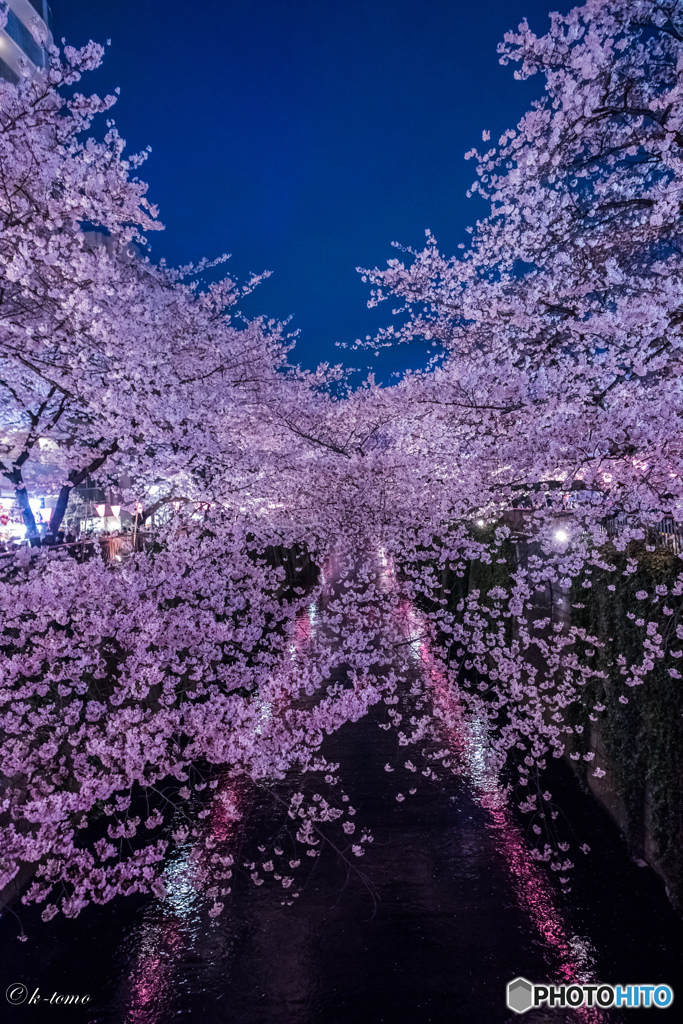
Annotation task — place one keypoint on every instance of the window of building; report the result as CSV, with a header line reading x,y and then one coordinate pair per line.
x,y
17,31
7,73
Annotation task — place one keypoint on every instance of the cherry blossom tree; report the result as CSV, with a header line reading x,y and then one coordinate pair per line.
x,y
557,378
121,682
109,363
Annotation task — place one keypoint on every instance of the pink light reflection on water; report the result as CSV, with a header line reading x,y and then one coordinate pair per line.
x,y
468,740
172,926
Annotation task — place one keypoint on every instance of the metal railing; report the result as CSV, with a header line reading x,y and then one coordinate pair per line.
x,y
109,549
667,533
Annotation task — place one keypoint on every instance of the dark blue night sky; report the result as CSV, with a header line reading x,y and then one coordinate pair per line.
x,y
304,136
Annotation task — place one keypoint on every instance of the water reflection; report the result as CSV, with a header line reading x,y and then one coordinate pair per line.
x,y
174,928
287,972
468,740
461,906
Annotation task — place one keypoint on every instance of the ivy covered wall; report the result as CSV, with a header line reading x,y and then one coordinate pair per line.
x,y
641,741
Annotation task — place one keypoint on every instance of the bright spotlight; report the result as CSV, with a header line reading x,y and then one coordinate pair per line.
x,y
562,536
480,522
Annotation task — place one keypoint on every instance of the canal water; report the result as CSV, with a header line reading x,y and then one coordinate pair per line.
x,y
444,908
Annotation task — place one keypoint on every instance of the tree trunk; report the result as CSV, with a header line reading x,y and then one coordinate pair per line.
x,y
76,478
59,510
15,477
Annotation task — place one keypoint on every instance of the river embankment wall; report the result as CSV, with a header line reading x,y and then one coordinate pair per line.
x,y
637,740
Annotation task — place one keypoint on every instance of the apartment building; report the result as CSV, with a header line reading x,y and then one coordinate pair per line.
x,y
21,53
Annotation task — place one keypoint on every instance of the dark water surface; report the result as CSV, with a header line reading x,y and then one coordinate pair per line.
x,y
451,908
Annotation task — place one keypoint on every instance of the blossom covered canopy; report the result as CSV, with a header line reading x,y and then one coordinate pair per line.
x,y
454,504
